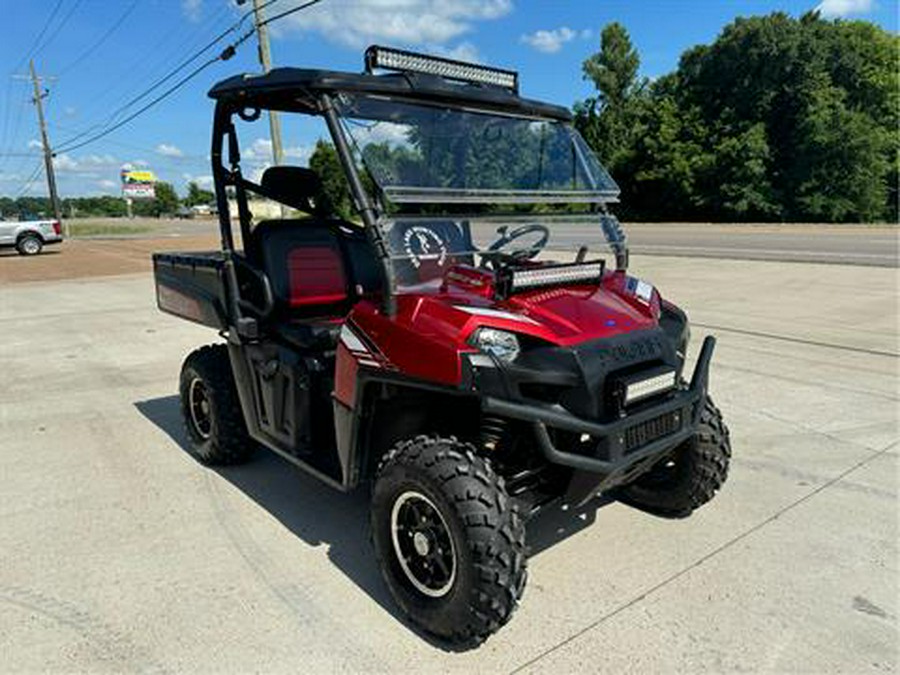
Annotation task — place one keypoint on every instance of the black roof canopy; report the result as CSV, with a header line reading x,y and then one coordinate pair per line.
x,y
295,90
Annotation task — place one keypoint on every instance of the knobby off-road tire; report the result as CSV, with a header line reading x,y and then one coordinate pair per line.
x,y
29,244
211,410
690,476
430,492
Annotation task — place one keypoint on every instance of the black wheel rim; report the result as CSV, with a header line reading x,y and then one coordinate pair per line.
x,y
423,544
199,408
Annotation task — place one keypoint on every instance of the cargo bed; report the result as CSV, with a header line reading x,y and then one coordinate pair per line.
x,y
191,285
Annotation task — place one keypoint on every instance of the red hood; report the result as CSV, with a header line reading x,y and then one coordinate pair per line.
x,y
562,315
434,320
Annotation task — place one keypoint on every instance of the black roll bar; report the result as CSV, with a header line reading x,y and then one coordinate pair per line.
x,y
363,204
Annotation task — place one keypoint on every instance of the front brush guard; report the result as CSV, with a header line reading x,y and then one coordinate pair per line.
x,y
612,459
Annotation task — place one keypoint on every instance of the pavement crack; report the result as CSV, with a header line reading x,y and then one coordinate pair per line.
x,y
703,559
808,383
798,340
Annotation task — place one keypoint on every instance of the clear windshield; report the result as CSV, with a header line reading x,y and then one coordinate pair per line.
x,y
424,249
431,154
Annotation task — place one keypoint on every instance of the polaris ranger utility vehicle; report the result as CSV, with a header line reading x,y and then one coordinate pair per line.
x,y
460,343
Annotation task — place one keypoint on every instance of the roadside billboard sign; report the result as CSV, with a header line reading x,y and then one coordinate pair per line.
x,y
138,184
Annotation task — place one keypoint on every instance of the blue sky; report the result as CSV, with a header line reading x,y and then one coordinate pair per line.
x,y
102,53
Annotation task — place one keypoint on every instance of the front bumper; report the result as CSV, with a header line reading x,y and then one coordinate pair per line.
x,y
617,454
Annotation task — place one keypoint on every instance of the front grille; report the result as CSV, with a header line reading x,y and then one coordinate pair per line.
x,y
641,434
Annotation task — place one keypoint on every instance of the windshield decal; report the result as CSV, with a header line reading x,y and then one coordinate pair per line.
x,y
422,244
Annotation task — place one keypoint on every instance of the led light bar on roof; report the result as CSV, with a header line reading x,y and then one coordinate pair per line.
x,y
401,60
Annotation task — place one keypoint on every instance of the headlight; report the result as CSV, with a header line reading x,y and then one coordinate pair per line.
x,y
500,343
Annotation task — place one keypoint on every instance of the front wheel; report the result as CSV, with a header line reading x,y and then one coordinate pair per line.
x,y
450,542
690,476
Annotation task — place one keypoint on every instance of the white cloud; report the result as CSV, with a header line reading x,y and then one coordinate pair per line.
x,y
261,148
382,132
204,182
465,51
167,150
842,8
549,41
261,151
193,9
107,184
413,23
34,143
90,166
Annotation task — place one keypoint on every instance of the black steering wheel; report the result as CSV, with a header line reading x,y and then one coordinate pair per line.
x,y
494,254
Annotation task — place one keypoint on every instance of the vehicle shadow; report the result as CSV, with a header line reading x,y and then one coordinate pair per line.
x,y
13,253
320,515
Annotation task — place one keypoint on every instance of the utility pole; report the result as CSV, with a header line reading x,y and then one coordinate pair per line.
x,y
265,59
38,101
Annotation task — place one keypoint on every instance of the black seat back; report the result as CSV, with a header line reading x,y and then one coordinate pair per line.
x,y
294,186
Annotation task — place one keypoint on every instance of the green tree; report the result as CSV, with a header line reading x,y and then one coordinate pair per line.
x,y
166,198
196,195
607,120
165,204
779,118
335,196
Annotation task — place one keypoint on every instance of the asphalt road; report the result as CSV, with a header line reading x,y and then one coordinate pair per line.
x,y
834,244
119,553
855,245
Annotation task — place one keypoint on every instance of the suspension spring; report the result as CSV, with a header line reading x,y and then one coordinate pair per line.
x,y
493,430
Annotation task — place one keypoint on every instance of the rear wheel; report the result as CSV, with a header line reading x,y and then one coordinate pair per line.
x,y
450,542
30,244
211,410
690,476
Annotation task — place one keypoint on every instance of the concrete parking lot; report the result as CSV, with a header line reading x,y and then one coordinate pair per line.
x,y
122,554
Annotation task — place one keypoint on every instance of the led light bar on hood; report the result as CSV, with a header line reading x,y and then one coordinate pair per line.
x,y
387,58
527,278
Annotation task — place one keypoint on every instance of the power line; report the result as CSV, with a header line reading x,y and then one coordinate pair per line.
x,y
59,26
186,62
67,148
226,54
37,40
288,12
103,38
29,181
139,71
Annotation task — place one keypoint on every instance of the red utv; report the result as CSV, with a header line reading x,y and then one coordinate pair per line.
x,y
460,343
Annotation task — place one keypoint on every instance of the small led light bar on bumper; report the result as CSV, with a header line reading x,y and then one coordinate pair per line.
x,y
387,58
515,280
641,386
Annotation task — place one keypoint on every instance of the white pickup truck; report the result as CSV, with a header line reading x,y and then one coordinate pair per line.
x,y
29,236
